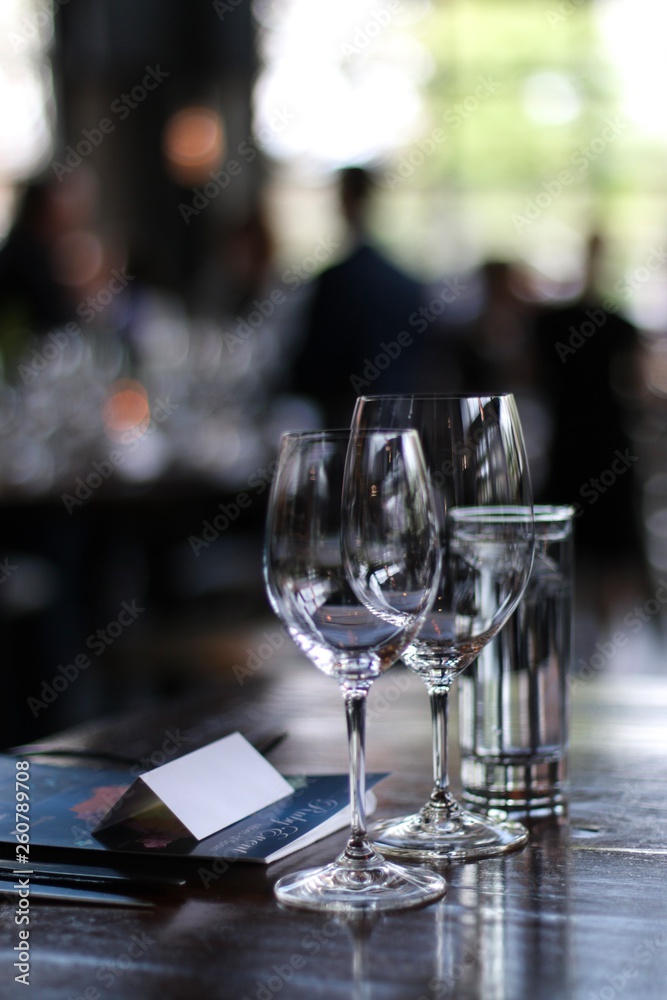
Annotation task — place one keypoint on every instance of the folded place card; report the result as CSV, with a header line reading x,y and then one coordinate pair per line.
x,y
68,803
206,790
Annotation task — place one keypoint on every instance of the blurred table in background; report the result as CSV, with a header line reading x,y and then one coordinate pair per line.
x,y
579,914
134,466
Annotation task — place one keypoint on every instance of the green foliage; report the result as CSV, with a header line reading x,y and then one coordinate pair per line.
x,y
521,91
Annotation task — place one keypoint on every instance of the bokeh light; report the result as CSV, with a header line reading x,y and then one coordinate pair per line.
x,y
193,143
126,412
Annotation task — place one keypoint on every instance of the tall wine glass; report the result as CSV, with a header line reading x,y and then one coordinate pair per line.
x,y
340,544
476,459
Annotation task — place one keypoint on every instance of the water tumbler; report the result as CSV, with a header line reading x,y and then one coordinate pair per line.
x,y
513,700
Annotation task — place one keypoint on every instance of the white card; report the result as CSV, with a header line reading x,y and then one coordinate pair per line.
x,y
207,789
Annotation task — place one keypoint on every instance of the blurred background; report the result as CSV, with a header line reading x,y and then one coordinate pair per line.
x,y
170,191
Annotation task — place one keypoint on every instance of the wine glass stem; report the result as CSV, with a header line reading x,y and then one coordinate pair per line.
x,y
358,848
439,699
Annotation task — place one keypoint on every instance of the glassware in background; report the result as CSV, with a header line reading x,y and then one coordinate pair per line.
x,y
513,701
478,472
351,567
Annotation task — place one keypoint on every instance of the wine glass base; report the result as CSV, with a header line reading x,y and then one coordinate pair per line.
x,y
380,886
431,835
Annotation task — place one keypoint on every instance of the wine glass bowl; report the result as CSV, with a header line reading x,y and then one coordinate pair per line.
x,y
487,550
475,456
351,566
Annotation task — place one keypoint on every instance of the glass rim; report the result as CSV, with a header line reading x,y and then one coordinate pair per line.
x,y
437,395
557,513
541,514
344,432
505,513
328,432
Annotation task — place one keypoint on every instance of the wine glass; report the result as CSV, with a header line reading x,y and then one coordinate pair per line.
x,y
351,566
475,455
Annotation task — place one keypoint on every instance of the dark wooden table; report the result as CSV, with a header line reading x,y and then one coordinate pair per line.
x,y
580,913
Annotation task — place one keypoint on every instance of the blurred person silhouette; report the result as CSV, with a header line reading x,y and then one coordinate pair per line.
x,y
358,337
249,260
497,343
240,267
498,352
259,312
591,357
48,245
32,298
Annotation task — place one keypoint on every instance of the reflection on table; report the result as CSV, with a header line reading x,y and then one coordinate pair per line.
x,y
578,913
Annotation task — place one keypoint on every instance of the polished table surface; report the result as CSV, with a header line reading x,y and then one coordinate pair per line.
x,y
581,912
